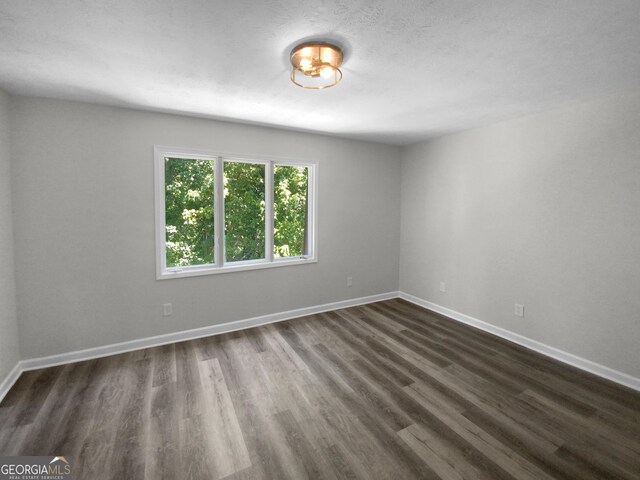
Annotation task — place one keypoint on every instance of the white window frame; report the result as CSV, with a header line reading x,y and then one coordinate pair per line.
x,y
220,266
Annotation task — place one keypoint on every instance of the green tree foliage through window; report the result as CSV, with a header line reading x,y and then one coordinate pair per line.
x,y
290,210
189,212
244,211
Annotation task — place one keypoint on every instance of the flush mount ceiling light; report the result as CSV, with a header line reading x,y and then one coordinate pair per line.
x,y
316,65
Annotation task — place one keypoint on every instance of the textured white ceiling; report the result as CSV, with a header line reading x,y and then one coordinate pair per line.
x,y
413,70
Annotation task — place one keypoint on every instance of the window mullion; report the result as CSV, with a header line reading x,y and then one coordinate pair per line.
x,y
218,204
269,198
161,212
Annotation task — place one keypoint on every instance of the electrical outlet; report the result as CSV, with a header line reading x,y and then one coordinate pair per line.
x,y
443,287
349,281
519,310
167,309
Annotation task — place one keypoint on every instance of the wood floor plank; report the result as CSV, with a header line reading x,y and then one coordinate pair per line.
x,y
379,433
58,410
344,468
381,391
163,440
446,460
508,460
164,365
254,409
369,392
228,450
195,462
301,449
38,393
358,341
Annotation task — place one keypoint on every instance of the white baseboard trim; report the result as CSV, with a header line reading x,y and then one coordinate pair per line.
x,y
9,380
129,346
565,357
156,341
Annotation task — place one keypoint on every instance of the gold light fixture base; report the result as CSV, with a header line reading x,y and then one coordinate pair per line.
x,y
316,65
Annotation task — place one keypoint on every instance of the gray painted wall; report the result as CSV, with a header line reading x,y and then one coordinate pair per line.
x,y
85,247
9,350
542,211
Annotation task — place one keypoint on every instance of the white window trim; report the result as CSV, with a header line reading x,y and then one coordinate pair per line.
x,y
270,261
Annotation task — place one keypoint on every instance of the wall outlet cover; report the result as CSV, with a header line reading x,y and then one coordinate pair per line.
x,y
519,310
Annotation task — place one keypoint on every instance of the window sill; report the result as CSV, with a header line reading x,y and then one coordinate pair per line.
x,y
238,267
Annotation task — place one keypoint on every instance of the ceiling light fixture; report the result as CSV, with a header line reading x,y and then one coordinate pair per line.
x,y
316,65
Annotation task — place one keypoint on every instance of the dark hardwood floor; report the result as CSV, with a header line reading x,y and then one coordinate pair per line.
x,y
386,390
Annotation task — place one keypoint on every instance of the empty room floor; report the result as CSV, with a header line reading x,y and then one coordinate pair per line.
x,y
385,390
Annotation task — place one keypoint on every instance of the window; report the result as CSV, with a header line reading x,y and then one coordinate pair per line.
x,y
219,213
